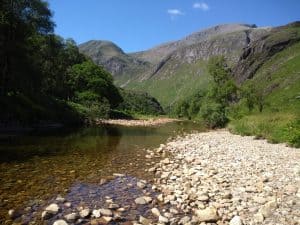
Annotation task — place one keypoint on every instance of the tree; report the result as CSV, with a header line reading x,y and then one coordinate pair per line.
x,y
222,92
253,96
20,20
89,77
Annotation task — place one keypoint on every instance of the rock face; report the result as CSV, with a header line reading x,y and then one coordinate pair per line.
x,y
111,57
259,51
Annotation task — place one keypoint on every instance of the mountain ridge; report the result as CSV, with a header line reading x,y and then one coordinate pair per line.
x,y
175,69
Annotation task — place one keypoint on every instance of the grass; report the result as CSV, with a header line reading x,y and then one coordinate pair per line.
x,y
279,77
169,88
276,127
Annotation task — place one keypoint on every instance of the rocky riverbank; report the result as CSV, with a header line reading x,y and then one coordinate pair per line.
x,y
143,123
212,178
223,178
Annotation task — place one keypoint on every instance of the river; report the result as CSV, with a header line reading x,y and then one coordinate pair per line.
x,y
38,166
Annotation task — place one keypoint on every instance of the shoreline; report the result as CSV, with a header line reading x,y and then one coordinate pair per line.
x,y
225,178
213,177
137,122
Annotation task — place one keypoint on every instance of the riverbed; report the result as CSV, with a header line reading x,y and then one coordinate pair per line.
x,y
38,166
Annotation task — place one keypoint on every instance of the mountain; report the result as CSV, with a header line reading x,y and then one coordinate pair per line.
x,y
260,51
174,70
112,57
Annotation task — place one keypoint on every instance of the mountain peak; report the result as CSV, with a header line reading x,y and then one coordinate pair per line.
x,y
103,48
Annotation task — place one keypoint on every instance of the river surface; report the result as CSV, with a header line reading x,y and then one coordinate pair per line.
x,y
36,167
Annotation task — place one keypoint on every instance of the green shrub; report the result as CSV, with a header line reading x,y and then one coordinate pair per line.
x,y
213,114
292,133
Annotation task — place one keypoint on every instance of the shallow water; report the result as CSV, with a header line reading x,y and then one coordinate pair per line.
x,y
36,167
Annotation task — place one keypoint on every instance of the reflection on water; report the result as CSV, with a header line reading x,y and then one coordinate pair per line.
x,y
35,167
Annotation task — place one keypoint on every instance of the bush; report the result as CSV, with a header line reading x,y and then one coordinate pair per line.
x,y
292,133
135,102
213,114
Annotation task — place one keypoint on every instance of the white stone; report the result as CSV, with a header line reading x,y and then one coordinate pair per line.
x,y
71,217
60,222
207,215
236,220
53,208
96,213
163,219
106,212
84,213
155,212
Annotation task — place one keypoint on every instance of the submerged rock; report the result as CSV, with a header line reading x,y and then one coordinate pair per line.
x,y
84,213
50,211
106,212
96,213
144,220
143,200
53,208
71,217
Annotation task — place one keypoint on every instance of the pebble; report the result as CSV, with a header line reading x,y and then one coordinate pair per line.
x,y
268,208
163,219
53,208
144,220
155,212
224,178
96,213
84,213
60,222
207,215
184,220
71,217
106,212
236,220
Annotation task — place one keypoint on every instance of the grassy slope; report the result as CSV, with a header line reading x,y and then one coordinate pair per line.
x,y
174,87
280,121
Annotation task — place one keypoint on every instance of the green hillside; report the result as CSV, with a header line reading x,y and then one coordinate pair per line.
x,y
279,80
172,88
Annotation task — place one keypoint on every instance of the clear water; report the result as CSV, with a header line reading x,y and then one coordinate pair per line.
x,y
36,167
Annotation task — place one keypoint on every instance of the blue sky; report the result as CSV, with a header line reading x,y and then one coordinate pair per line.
x,y
137,25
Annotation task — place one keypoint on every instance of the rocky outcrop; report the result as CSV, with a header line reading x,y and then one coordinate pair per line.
x,y
111,57
227,39
180,66
259,51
